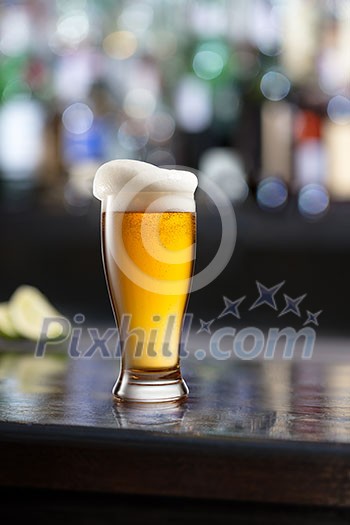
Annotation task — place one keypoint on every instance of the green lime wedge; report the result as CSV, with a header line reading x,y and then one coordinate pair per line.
x,y
6,325
28,308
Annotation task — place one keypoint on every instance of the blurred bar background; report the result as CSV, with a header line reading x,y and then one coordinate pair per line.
x,y
254,93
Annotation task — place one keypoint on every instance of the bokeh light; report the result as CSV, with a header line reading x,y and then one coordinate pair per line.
x,y
272,193
161,127
274,86
225,168
193,104
161,157
139,103
133,135
73,28
338,109
209,60
207,65
137,17
120,45
77,118
313,201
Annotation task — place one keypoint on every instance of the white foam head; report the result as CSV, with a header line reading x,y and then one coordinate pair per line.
x,y
132,185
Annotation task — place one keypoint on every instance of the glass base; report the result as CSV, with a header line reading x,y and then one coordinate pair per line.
x,y
135,386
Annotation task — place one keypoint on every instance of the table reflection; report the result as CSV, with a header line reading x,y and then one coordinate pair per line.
x,y
150,416
289,400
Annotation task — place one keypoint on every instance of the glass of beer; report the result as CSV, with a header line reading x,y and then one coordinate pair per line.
x,y
148,246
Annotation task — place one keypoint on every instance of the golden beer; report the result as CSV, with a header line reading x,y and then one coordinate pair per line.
x,y
148,243
154,330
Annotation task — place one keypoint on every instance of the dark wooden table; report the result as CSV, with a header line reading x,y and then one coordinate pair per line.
x,y
269,432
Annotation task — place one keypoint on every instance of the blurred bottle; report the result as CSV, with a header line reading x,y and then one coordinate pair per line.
x,y
337,146
276,139
300,32
21,151
310,169
309,152
21,134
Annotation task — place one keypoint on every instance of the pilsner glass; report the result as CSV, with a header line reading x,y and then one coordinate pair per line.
x,y
148,245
